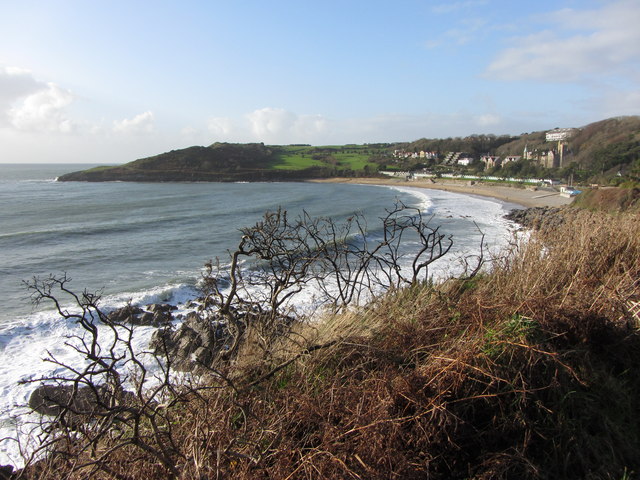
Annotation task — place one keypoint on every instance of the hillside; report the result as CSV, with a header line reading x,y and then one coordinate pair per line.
x,y
612,200
602,152
218,162
607,151
608,146
226,162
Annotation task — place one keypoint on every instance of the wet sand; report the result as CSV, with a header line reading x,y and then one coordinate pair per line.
x,y
525,196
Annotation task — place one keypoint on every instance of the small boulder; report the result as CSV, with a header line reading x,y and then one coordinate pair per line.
x,y
161,307
6,472
128,313
55,399
78,406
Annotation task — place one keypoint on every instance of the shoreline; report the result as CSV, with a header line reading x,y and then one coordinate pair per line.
x,y
527,197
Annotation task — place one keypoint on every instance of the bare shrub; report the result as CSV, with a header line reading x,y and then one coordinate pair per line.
x,y
108,402
526,372
279,257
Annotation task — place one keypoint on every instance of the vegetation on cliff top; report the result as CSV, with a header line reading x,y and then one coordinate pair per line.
x,y
528,370
224,162
602,152
612,199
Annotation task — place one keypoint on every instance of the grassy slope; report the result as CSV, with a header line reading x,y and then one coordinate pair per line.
x,y
229,162
526,372
354,157
612,200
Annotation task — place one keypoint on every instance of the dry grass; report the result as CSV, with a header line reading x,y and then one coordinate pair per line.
x,y
525,372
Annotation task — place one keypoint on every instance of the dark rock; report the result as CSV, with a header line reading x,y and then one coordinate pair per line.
x,y
125,314
157,315
538,218
81,406
145,319
193,345
54,399
6,472
161,307
85,400
160,317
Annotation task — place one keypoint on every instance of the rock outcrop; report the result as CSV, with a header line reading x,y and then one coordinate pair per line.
x,y
157,315
538,217
193,345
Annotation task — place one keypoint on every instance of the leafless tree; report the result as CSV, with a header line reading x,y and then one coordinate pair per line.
x,y
107,395
278,257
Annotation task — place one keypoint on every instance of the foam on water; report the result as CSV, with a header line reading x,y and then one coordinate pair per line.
x,y
26,342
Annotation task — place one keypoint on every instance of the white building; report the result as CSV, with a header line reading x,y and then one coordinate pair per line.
x,y
559,134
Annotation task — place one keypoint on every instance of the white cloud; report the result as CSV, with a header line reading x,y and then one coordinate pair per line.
x,y
270,123
280,126
142,123
488,120
43,110
31,105
221,126
14,84
470,30
311,126
277,124
590,43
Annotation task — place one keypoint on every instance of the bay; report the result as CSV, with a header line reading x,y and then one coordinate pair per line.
x,y
147,242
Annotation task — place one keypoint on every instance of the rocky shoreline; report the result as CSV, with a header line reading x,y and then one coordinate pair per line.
x,y
538,218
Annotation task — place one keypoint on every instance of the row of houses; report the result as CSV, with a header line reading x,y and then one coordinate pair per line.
x,y
491,161
420,154
564,190
546,157
551,158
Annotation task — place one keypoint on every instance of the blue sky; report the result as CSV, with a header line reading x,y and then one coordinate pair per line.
x,y
109,82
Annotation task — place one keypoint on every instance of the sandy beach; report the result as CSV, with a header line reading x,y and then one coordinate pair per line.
x,y
525,196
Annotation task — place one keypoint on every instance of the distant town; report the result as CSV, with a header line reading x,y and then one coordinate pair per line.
x,y
556,156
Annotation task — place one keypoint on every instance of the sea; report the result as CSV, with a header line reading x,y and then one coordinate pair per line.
x,y
148,242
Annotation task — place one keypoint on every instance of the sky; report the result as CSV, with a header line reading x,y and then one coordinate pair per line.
x,y
112,81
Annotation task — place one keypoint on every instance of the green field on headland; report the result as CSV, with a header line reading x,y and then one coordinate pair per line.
x,y
339,157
